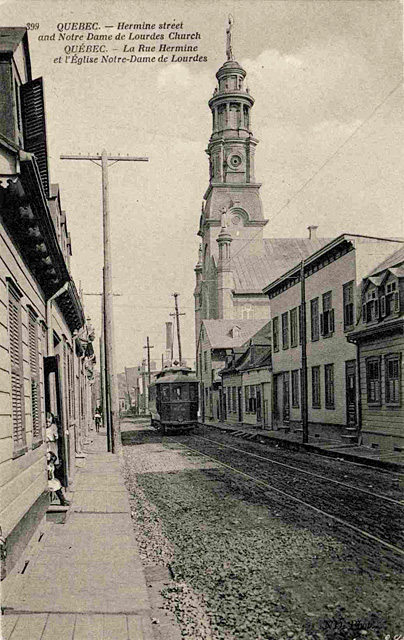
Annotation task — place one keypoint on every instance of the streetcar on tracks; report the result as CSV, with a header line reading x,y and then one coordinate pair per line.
x,y
173,400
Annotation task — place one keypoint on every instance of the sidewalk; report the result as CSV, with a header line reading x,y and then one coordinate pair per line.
x,y
327,446
85,580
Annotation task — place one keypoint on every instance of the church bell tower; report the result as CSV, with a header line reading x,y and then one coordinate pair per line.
x,y
232,187
231,152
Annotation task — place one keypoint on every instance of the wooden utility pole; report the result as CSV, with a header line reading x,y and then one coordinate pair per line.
x,y
111,379
177,317
305,422
105,396
144,385
148,347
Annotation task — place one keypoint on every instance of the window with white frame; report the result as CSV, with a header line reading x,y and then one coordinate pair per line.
x,y
294,338
348,295
392,377
370,307
327,317
247,398
315,388
285,330
315,326
295,388
252,403
373,380
275,333
329,386
392,299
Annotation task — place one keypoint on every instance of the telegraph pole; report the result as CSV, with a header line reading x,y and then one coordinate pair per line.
x,y
111,379
148,347
177,317
105,395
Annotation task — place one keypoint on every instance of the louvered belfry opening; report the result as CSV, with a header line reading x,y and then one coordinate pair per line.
x,y
17,377
34,126
34,370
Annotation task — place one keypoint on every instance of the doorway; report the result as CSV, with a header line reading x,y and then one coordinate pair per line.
x,y
350,390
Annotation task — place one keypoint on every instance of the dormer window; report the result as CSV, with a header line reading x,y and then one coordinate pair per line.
x,y
391,303
370,308
235,332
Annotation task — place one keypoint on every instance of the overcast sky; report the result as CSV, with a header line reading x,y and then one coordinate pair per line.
x,y
319,72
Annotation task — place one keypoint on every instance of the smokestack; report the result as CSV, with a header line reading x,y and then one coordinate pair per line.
x,y
169,343
312,231
169,335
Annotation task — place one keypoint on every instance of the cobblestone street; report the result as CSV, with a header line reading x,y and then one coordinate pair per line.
x,y
245,564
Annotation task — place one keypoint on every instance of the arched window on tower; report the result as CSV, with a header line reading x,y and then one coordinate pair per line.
x,y
246,312
246,117
234,115
221,114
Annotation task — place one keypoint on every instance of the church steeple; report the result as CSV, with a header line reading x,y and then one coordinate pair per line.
x,y
232,188
231,146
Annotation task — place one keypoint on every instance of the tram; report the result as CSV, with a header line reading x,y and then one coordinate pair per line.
x,y
173,400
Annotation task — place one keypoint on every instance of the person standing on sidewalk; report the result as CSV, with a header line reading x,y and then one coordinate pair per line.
x,y
97,419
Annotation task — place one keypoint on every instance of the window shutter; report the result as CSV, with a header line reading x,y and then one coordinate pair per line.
x,y
33,112
34,368
376,309
322,324
396,302
17,379
364,313
383,306
332,321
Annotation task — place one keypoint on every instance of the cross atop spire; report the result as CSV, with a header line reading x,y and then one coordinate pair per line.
x,y
229,48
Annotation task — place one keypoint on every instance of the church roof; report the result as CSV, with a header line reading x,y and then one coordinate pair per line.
x,y
263,261
220,332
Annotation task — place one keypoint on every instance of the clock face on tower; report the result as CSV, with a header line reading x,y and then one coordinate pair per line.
x,y
234,161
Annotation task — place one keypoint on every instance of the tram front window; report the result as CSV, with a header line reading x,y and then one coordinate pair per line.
x,y
193,392
179,392
165,392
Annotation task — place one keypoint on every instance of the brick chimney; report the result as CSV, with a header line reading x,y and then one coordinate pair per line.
x,y
312,231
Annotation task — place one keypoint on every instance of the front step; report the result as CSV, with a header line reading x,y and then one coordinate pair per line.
x,y
350,435
246,435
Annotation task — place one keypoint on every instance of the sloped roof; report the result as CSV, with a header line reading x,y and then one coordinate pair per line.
x,y
219,331
263,361
266,260
394,259
10,38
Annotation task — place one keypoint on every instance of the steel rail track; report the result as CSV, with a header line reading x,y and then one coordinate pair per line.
x,y
361,532
309,473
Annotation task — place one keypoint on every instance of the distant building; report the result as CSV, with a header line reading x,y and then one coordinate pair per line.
x,y
218,339
246,382
129,389
332,278
379,336
46,354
